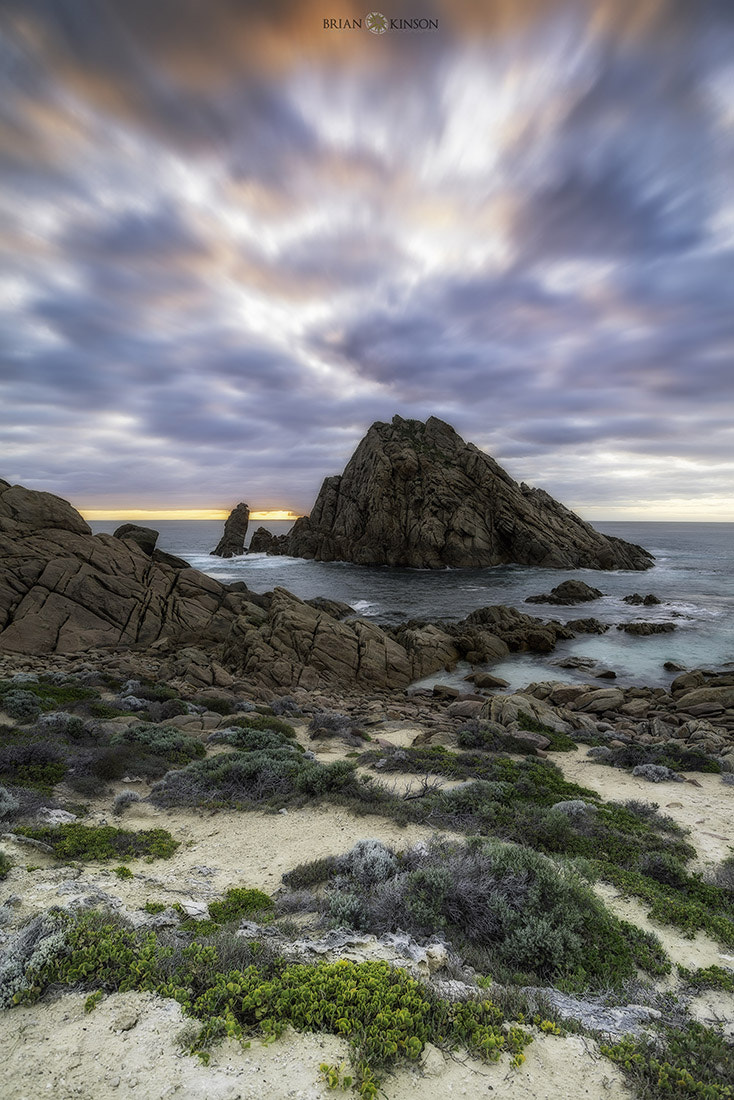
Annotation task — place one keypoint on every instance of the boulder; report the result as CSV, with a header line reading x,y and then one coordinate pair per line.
x,y
232,542
145,537
507,710
647,601
643,630
569,592
264,542
415,494
599,700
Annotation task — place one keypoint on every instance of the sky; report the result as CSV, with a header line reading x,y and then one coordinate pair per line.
x,y
233,238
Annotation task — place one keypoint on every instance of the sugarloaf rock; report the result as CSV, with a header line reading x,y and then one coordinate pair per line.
x,y
415,494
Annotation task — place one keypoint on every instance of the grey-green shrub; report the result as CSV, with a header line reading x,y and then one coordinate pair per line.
x,y
21,705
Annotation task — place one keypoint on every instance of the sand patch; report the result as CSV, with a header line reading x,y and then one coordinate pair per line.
x,y
701,951
218,850
707,810
127,1048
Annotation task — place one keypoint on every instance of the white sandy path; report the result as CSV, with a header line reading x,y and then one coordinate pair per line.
x,y
707,810
241,849
126,1050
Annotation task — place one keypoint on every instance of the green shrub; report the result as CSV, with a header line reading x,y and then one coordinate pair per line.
x,y
88,842
164,741
559,742
264,722
5,865
313,873
710,977
239,902
506,909
32,763
21,705
384,1014
692,1064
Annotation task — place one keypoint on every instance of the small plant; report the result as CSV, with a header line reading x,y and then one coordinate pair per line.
x,y
238,903
93,1000
154,907
692,1064
710,977
123,800
102,842
5,865
122,872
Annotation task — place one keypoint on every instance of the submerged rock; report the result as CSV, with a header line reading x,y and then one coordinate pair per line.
x,y
569,592
415,494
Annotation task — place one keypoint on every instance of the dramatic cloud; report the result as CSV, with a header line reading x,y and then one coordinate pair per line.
x,y
230,239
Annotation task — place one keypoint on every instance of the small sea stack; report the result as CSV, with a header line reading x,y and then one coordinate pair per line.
x,y
232,542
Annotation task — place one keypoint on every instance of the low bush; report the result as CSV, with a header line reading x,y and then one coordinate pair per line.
x,y
384,1014
21,705
5,865
102,842
32,763
124,800
669,755
709,977
274,775
264,722
690,904
692,1064
167,742
239,902
507,909
559,742
8,803
314,873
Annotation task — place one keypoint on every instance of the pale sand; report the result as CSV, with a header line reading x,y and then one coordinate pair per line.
x,y
56,1049
707,810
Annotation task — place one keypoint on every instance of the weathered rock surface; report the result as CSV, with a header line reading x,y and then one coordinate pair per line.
x,y
264,542
643,630
647,601
569,592
232,542
64,590
416,494
144,537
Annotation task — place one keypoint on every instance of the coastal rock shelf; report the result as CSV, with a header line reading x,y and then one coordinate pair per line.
x,y
415,494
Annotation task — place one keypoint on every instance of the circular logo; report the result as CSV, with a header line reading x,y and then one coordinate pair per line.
x,y
376,22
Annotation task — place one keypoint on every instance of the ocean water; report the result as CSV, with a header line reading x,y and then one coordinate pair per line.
x,y
693,575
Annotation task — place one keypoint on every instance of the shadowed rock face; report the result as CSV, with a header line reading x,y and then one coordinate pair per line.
x,y
416,494
232,542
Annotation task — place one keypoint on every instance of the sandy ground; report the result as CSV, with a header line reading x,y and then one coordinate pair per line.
x,y
707,810
127,1048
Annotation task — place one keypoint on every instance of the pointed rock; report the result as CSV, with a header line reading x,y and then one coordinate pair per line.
x,y
416,494
232,542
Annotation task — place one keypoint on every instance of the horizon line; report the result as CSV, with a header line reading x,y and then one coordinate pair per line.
x,y
101,514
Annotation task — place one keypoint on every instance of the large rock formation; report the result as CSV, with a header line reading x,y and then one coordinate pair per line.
x,y
232,542
416,494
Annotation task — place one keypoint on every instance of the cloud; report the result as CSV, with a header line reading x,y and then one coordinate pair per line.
x,y
231,240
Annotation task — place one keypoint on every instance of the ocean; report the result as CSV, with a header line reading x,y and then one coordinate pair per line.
x,y
693,575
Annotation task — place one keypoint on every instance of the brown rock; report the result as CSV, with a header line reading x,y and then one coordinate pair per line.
x,y
232,542
416,494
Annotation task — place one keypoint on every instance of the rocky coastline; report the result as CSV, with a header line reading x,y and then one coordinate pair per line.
x,y
257,776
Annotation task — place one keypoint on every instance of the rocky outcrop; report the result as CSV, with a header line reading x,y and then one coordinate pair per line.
x,y
145,537
643,630
65,591
570,592
416,494
232,542
264,542
636,599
